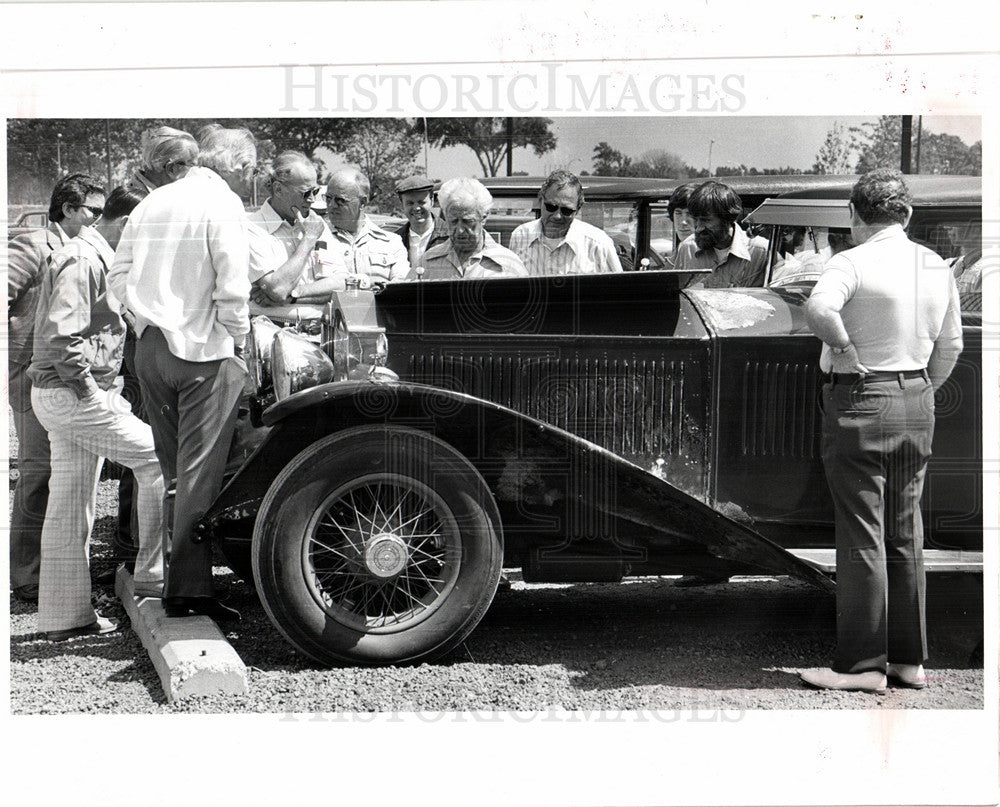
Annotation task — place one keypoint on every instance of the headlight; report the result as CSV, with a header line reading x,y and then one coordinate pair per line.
x,y
258,352
355,350
297,364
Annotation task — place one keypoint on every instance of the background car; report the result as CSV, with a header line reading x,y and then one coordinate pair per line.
x,y
27,221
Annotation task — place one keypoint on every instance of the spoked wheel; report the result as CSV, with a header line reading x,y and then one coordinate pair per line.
x,y
377,546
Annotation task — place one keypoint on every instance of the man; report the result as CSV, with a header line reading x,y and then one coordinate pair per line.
x,y
557,243
300,239
422,229
182,268
76,393
77,201
167,154
470,252
887,312
359,247
720,252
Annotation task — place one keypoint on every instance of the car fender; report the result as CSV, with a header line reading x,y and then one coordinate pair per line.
x,y
522,459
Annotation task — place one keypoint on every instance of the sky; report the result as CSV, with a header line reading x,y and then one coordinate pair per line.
x,y
761,142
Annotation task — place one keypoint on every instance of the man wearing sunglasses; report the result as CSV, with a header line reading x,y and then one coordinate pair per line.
x,y
77,201
557,243
287,220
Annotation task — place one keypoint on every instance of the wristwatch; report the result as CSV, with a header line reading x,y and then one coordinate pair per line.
x,y
837,351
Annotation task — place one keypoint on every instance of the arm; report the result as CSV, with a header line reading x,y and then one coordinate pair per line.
x,y
24,262
229,249
608,257
948,344
64,327
401,262
836,286
118,275
277,285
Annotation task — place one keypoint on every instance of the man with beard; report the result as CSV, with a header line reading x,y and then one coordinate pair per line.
x,y
423,229
470,253
557,242
720,253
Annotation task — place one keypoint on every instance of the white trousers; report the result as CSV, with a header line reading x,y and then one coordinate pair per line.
x,y
81,434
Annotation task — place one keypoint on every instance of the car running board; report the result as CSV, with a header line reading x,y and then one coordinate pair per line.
x,y
935,560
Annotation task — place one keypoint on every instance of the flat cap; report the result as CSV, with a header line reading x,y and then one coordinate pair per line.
x,y
414,183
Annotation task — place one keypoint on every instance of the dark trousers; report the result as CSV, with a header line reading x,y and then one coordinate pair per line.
x,y
192,409
127,540
31,495
876,444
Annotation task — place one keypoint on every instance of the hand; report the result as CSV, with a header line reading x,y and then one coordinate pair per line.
x,y
847,362
310,228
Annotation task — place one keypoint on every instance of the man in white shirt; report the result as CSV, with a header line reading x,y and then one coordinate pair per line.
x,y
287,219
182,268
423,229
557,242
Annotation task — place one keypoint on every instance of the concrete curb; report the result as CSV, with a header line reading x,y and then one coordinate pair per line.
x,y
191,655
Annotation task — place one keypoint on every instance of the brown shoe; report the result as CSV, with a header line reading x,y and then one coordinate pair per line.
x,y
825,678
907,675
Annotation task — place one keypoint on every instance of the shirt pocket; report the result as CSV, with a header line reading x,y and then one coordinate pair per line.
x,y
380,264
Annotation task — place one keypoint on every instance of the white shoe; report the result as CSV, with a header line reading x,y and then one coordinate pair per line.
x,y
825,678
908,675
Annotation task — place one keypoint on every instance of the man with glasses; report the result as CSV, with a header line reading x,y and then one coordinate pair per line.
x,y
359,247
470,253
557,243
167,154
77,201
287,220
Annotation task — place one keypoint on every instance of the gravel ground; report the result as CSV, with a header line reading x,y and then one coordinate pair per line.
x,y
644,645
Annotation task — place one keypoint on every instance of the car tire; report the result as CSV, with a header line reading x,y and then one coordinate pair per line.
x,y
377,545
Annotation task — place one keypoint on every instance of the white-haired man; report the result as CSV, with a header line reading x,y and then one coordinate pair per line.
x,y
167,154
182,268
360,247
303,236
470,252
557,242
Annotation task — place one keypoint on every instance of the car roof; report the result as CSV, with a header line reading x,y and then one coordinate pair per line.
x,y
927,189
827,206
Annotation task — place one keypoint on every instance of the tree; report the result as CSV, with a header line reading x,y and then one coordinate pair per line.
x,y
834,155
385,149
947,154
487,137
661,163
879,146
609,162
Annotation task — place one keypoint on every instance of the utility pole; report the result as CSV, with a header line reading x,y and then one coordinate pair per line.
x,y
510,147
907,138
107,148
920,131
710,144
427,171
59,153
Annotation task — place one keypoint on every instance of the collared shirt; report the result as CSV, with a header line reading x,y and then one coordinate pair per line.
x,y
27,257
80,333
267,218
741,264
416,245
898,302
372,251
585,249
183,266
141,184
491,260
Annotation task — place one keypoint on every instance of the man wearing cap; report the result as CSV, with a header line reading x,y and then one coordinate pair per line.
x,y
557,243
422,229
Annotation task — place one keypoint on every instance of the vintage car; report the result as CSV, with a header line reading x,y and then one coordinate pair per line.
x,y
580,428
28,220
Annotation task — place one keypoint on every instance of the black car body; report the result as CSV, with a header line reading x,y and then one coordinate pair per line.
x,y
581,428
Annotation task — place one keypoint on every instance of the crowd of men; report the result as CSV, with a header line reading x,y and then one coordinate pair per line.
x,y
163,274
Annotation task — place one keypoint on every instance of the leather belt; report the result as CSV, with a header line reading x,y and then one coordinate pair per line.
x,y
875,377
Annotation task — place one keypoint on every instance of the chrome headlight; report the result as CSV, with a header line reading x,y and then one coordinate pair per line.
x,y
297,363
258,352
353,336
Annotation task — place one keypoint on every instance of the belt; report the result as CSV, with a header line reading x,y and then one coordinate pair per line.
x,y
875,377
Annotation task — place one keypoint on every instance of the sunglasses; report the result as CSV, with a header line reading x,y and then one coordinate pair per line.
x,y
566,211
96,211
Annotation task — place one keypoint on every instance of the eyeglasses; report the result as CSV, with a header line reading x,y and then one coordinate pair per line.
x,y
97,212
309,194
566,211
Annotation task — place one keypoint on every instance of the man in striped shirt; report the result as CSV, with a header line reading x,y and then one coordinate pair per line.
x,y
557,243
